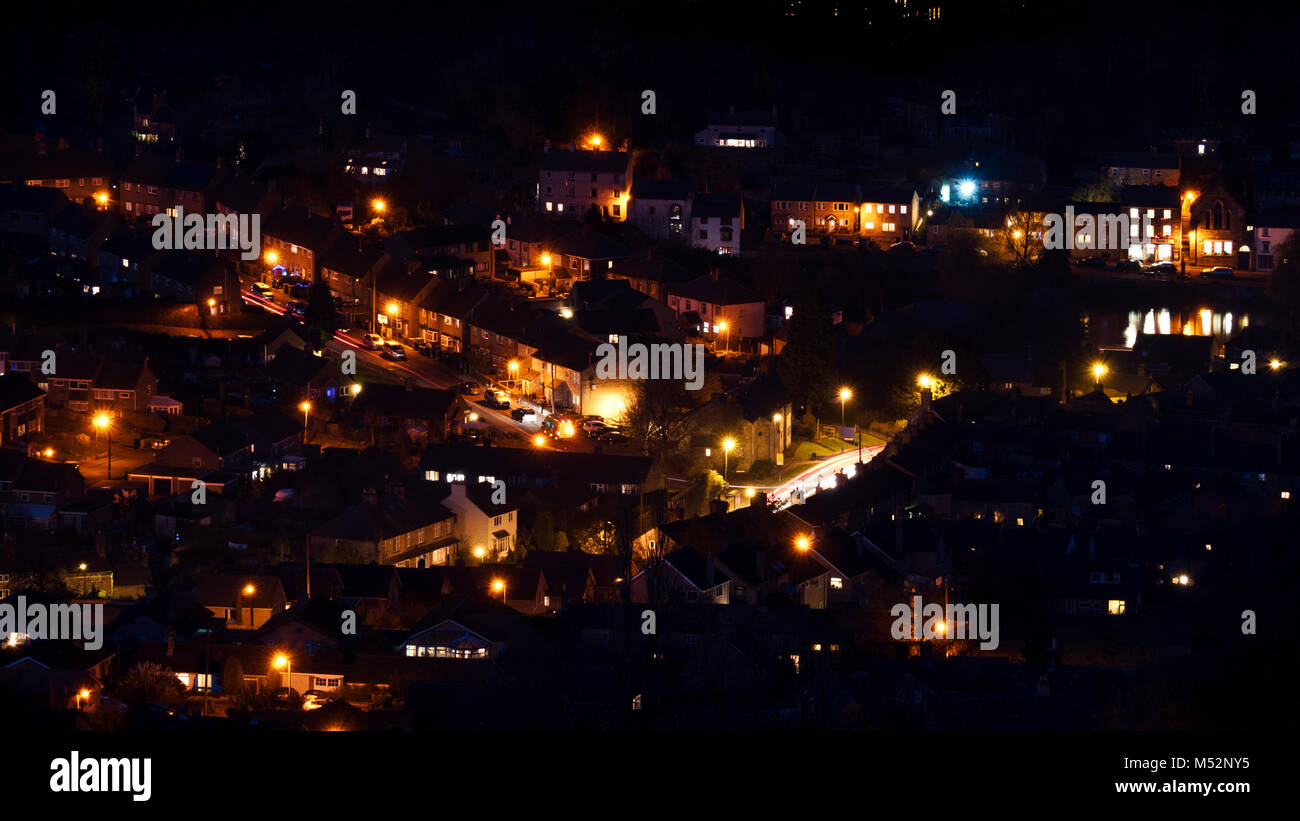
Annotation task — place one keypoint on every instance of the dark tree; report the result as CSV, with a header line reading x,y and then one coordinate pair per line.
x,y
320,310
805,366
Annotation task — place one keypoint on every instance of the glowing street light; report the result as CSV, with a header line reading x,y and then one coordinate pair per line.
x,y
249,590
1275,364
101,199
48,453
499,586
724,328
104,423
925,381
305,407
539,441
271,257
803,544
378,205
595,141
728,445
845,393
283,662
356,388
1099,371
479,552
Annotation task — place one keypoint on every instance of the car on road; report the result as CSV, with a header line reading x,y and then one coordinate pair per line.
x,y
1161,270
394,351
468,388
296,309
522,414
1128,265
262,289
493,400
1217,272
372,342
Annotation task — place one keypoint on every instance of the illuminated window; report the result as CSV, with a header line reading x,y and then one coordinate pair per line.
x,y
837,583
1115,607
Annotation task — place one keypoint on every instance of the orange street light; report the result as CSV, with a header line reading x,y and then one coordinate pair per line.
x,y
499,586
925,380
378,205
104,422
305,407
802,543
845,393
271,257
539,441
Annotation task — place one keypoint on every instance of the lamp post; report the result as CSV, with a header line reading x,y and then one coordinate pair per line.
x,y
499,586
282,661
104,423
248,591
1099,371
776,434
305,407
845,393
728,445
725,328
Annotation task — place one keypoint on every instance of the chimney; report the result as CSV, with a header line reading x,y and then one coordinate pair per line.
x,y
546,147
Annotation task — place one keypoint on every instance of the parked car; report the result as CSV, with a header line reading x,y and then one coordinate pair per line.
x,y
1218,272
593,426
394,351
1161,269
612,437
372,342
1128,265
903,246
296,309
494,400
1093,262
522,414
468,388
262,289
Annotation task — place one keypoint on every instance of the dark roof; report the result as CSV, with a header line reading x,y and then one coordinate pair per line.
x,y
651,267
591,162
298,227
589,244
400,400
156,169
16,389
721,291
661,190
222,438
544,465
120,376
726,206
1138,159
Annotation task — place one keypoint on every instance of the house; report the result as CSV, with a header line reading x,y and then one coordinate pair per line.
x,y
219,446
245,601
389,529
1272,228
300,374
125,262
889,215
662,209
1215,232
716,223
765,409
569,576
650,273
78,232
33,490
297,240
79,173
740,311
576,181
744,129
29,212
62,675
349,272
158,184
201,280
470,242
242,195
585,254
377,159
22,408
425,414
603,473
306,628
493,329
122,386
488,529
1140,168
400,289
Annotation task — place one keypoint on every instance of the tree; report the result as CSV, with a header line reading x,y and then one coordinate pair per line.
x,y
149,683
232,677
1096,191
805,364
599,538
544,530
659,413
1022,238
320,312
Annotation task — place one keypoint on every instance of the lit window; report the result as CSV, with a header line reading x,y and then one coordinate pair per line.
x,y
837,583
1115,607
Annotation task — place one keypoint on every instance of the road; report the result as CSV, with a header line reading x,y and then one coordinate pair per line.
x,y
820,476
424,371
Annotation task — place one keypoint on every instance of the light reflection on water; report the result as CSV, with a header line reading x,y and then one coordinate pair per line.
x,y
1113,328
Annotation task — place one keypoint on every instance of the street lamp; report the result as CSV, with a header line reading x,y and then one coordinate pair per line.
x,y
803,544
728,445
283,662
723,327
513,366
356,388
845,393
272,257
82,695
378,205
539,441
499,586
104,423
1099,370
776,435
305,407
925,380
